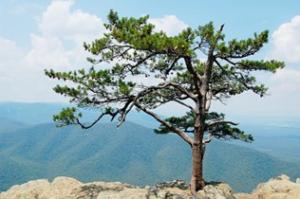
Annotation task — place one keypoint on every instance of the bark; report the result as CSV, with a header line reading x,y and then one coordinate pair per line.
x,y
197,181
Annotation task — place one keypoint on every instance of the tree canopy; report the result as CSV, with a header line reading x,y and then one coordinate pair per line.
x,y
133,49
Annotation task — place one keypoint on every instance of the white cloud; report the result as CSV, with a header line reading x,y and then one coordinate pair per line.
x,y
59,20
282,99
286,81
8,52
284,86
169,24
58,45
286,41
62,32
47,52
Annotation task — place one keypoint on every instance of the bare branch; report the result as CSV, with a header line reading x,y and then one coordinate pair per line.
x,y
95,121
184,104
182,134
172,65
183,90
209,96
196,77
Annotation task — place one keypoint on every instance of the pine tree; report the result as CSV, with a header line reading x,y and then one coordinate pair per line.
x,y
133,51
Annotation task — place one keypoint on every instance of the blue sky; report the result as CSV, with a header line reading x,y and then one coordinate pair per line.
x,y
35,35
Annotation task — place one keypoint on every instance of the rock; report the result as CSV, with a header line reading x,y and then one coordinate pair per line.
x,y
242,195
216,191
28,190
94,189
282,177
69,188
135,193
172,184
64,186
42,189
276,188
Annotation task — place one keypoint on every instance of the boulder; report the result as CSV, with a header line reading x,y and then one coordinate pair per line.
x,y
60,188
216,191
276,188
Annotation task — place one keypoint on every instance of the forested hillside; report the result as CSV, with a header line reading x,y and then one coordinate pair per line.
x,y
132,154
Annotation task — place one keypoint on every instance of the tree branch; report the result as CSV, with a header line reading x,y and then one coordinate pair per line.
x,y
95,121
217,122
237,78
208,139
196,78
184,104
182,134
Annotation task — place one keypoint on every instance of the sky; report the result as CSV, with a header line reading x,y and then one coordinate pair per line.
x,y
37,35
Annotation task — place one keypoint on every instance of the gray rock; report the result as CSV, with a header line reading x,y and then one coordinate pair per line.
x,y
216,191
173,184
69,188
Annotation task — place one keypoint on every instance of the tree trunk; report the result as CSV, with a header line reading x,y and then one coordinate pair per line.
x,y
197,182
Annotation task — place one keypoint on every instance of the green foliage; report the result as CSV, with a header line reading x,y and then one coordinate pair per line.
x,y
260,65
66,117
214,125
242,48
133,51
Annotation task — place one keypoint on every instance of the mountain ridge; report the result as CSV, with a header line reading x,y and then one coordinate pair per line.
x,y
132,154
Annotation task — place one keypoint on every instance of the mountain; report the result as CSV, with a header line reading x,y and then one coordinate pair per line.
x,y
278,137
131,153
7,125
17,170
279,141
38,113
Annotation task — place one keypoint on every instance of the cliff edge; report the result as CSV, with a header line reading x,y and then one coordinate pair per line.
x,y
69,188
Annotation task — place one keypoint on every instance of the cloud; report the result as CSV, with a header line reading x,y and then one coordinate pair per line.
x,y
8,52
47,52
284,86
286,41
57,44
62,33
169,24
286,81
59,20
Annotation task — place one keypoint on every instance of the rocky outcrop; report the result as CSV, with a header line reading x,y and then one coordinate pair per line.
x,y
69,188
276,188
